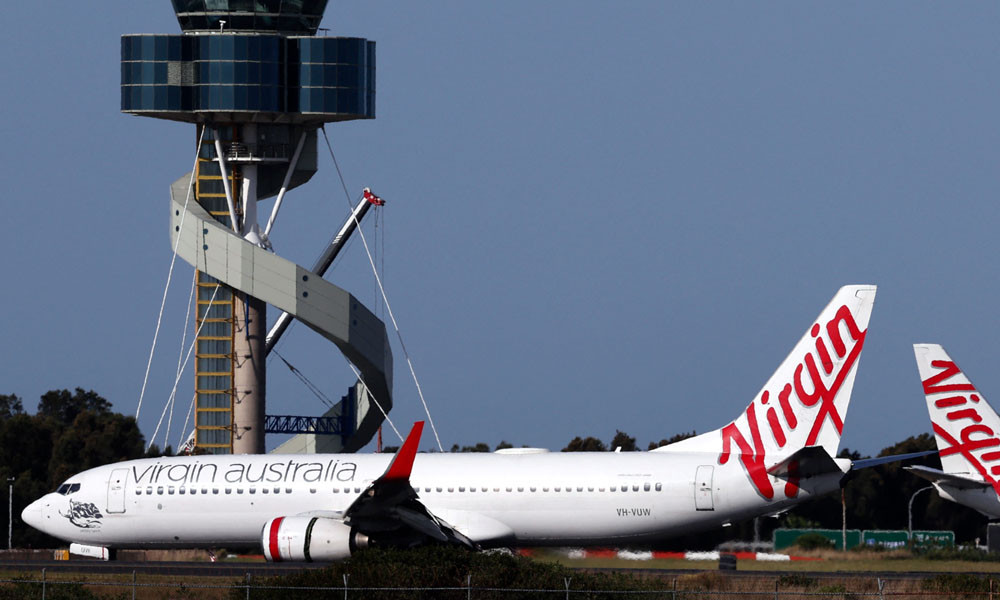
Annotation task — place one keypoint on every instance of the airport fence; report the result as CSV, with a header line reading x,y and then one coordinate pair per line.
x,y
703,586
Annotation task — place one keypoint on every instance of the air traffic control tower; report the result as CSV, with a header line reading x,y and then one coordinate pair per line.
x,y
257,82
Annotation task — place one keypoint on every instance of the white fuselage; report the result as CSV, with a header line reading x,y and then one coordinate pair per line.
x,y
494,499
985,499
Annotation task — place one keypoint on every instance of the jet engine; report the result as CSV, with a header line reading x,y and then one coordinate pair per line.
x,y
310,539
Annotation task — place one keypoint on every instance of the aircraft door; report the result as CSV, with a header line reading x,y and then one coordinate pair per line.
x,y
116,491
703,488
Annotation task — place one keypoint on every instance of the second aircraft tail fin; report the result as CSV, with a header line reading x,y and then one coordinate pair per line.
x,y
966,427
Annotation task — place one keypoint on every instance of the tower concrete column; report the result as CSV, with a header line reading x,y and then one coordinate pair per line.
x,y
249,374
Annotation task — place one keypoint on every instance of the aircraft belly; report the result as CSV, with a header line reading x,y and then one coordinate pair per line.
x,y
984,500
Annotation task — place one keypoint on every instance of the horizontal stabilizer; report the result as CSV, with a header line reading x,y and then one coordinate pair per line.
x,y
805,462
949,479
865,463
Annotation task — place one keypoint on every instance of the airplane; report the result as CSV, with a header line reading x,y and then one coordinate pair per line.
x,y
967,431
779,452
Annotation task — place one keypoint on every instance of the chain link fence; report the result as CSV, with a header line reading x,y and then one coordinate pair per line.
x,y
707,586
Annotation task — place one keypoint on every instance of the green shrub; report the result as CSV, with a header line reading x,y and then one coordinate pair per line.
x,y
956,583
796,580
814,541
25,589
955,553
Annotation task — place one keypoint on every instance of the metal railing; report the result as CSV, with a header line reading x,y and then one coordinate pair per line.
x,y
262,151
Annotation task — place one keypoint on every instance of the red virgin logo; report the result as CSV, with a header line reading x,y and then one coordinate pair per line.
x,y
963,405
806,401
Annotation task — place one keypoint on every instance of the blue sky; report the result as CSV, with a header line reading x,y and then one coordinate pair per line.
x,y
601,215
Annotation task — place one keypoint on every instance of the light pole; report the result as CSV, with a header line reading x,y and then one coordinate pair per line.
x,y
909,510
10,511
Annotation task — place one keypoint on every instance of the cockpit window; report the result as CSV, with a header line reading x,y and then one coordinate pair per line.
x,y
68,488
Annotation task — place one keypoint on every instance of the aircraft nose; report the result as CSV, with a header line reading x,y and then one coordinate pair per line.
x,y
32,514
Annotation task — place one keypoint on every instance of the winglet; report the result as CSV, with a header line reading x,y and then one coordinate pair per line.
x,y
401,465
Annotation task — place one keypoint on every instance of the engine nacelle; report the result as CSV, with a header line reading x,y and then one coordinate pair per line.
x,y
310,539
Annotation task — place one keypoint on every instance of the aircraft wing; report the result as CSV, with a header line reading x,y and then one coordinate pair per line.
x,y
390,503
864,463
949,479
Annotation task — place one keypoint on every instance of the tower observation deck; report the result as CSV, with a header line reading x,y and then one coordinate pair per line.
x,y
257,83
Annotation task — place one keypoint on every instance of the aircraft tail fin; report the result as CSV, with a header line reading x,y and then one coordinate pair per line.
x,y
805,401
966,427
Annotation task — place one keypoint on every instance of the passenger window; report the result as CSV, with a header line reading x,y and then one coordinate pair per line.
x,y
545,489
624,488
509,489
635,487
181,491
558,489
239,490
590,488
645,487
159,490
193,491
149,490
335,490
613,488
347,490
288,490
253,490
204,490
264,490
215,490
138,491
438,489
427,490
520,489
579,489
659,487
496,489
277,490
482,489
170,490
450,490
600,489
312,490
461,489
229,490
